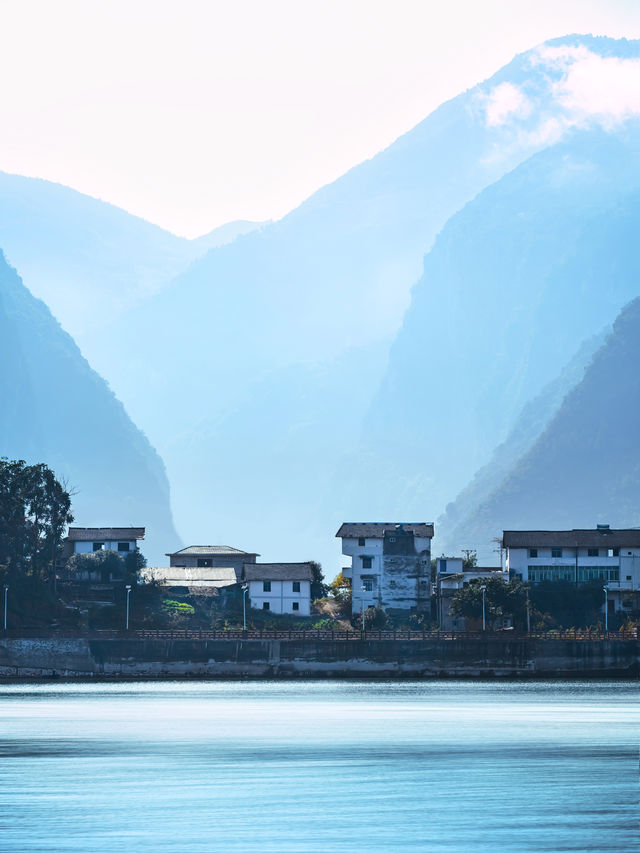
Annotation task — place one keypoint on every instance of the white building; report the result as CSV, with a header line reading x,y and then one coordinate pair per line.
x,y
450,577
279,587
603,554
86,540
390,564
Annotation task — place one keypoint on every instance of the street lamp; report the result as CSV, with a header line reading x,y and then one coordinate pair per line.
x,y
528,613
484,589
245,590
6,590
128,588
364,589
606,608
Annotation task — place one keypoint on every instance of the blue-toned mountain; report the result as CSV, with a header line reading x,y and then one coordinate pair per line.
x,y
57,410
584,468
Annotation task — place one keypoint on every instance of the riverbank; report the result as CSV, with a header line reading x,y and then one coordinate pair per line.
x,y
497,657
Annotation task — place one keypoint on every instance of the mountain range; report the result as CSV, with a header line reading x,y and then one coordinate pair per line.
x,y
401,338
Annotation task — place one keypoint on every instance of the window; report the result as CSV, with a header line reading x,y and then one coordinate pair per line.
x,y
628,577
598,573
295,605
296,586
556,553
367,584
592,552
204,563
537,574
366,562
533,553
266,605
98,546
613,552
391,539
124,546
362,541
266,587
443,566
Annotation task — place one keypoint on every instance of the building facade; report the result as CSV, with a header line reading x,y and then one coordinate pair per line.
x,y
603,554
211,557
390,564
279,587
87,540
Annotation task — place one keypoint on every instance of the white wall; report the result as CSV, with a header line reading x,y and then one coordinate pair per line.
x,y
281,597
87,547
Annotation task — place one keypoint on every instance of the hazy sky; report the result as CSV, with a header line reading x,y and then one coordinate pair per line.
x,y
195,113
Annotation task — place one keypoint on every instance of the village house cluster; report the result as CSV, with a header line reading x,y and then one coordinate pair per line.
x,y
391,567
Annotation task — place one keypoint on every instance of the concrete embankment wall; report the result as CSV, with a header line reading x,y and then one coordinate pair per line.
x,y
462,658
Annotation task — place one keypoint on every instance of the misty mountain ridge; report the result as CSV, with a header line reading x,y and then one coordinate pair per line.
x,y
89,260
526,272
57,410
585,467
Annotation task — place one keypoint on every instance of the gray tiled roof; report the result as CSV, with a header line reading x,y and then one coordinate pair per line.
x,y
211,550
191,577
375,529
277,572
598,538
110,534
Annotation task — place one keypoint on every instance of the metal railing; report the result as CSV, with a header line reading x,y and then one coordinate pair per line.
x,y
584,635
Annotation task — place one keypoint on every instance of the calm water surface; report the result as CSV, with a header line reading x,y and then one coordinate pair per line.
x,y
306,767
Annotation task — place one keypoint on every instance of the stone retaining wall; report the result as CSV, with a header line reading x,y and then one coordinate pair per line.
x,y
141,659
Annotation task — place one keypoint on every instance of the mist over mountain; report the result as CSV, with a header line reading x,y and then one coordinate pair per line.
x,y
281,305
585,467
90,261
535,265
57,410
261,369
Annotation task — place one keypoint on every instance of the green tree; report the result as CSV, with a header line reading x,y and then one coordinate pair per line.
x,y
470,560
501,599
35,508
104,565
563,604
318,586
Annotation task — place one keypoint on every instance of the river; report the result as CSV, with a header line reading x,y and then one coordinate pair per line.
x,y
317,767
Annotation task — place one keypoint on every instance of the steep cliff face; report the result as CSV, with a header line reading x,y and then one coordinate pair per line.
x,y
282,306
56,409
585,467
535,265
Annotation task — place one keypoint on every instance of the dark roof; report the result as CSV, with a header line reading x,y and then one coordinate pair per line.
x,y
277,572
211,551
110,534
376,529
601,537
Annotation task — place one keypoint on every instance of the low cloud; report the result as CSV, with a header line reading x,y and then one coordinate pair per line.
x,y
583,89
504,103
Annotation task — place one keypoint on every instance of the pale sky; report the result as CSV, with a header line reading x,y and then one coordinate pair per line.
x,y
194,113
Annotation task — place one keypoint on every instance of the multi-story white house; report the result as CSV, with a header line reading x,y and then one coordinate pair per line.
x,y
603,554
86,540
279,587
390,564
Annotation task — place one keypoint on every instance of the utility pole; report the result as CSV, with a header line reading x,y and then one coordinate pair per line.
x,y
484,589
